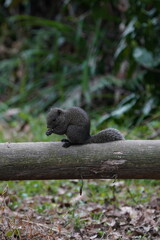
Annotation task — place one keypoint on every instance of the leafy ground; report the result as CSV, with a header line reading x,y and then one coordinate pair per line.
x,y
55,210
49,210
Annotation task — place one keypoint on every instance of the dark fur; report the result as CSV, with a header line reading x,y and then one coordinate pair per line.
x,y
75,124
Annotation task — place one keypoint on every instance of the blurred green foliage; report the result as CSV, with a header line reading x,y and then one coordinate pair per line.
x,y
140,46
96,54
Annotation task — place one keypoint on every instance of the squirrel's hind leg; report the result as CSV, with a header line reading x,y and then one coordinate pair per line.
x,y
67,144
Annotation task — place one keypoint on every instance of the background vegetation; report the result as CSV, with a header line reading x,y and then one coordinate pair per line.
x,y
105,57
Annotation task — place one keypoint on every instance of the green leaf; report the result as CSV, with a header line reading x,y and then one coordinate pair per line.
x,y
130,28
119,111
9,233
125,105
148,106
122,45
32,20
143,57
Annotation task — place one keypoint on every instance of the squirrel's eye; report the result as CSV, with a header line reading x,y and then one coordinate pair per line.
x,y
53,120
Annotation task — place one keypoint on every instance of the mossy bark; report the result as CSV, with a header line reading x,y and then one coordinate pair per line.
x,y
130,159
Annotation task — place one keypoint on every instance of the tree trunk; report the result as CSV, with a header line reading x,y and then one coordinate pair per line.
x,y
130,159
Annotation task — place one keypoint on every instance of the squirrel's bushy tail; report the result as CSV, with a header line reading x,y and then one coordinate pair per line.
x,y
107,135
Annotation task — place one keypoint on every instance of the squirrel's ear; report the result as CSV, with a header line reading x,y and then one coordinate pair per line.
x,y
59,111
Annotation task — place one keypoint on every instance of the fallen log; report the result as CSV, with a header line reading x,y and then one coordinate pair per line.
x,y
130,159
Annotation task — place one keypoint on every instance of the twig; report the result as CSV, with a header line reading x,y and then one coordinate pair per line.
x,y
41,225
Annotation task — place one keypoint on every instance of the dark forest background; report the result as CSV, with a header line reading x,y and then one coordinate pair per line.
x,y
100,55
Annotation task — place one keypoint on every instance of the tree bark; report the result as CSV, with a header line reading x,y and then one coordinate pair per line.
x,y
130,159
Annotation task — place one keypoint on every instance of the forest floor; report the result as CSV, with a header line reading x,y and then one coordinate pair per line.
x,y
55,210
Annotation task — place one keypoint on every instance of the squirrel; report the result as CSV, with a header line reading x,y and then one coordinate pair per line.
x,y
75,124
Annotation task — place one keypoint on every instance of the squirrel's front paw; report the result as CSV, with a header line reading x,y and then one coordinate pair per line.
x,y
49,132
67,144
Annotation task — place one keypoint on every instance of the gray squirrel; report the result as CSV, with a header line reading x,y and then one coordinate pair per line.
x,y
75,124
